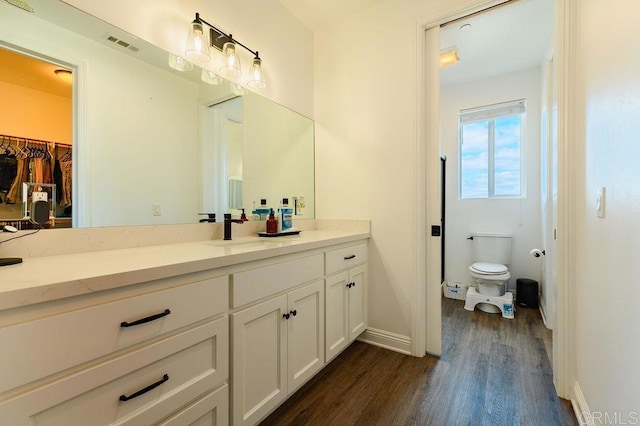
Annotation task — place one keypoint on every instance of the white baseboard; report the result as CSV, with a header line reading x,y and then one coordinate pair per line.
x,y
580,407
544,317
387,340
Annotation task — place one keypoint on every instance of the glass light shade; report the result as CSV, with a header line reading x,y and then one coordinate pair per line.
x,y
210,77
256,75
178,63
197,43
236,89
230,60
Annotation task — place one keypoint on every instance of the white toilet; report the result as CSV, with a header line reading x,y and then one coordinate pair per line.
x,y
492,254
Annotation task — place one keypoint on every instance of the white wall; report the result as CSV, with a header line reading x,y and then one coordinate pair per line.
x,y
366,141
279,154
284,44
520,217
608,271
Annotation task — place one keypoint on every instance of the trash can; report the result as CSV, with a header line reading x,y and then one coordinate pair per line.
x,y
527,293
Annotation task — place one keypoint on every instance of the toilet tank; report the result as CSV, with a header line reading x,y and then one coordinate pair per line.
x,y
491,247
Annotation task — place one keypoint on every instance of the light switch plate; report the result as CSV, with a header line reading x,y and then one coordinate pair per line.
x,y
601,197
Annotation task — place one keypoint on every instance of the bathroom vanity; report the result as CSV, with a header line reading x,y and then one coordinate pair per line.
x,y
205,332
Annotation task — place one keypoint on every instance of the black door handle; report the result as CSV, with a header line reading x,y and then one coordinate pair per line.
x,y
145,390
146,319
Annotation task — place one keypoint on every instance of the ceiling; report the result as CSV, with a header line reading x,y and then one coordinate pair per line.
x,y
509,38
32,73
316,14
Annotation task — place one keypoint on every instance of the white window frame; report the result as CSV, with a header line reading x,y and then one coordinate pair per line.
x,y
490,113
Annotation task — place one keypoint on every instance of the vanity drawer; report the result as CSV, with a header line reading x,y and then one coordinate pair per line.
x,y
255,284
184,367
210,410
38,348
344,258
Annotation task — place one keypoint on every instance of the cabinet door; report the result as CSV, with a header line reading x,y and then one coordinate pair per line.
x,y
336,317
259,360
305,333
357,307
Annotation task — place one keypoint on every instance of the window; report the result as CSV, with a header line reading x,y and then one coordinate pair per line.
x,y
491,141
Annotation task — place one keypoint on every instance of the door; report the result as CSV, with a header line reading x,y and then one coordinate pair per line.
x,y
357,311
259,360
549,197
305,333
337,327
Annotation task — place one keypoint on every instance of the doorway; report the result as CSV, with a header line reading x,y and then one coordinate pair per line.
x,y
461,89
36,136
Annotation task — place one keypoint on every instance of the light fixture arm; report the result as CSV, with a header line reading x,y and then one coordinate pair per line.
x,y
229,36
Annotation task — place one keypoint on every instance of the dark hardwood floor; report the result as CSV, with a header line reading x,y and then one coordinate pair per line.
x,y
493,371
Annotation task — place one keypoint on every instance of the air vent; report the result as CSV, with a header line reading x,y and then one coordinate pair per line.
x,y
122,43
21,4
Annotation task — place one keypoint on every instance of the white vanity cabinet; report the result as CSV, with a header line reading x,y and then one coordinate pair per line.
x,y
216,336
278,344
131,361
346,314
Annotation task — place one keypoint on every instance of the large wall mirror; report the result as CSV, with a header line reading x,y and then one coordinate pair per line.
x,y
150,144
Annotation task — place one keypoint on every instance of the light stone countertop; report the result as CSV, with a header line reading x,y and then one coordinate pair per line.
x,y
42,279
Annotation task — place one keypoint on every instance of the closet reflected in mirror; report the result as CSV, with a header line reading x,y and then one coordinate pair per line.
x,y
35,137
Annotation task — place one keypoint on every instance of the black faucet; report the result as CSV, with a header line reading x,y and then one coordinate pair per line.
x,y
227,225
210,219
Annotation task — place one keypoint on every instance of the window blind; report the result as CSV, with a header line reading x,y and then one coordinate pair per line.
x,y
491,112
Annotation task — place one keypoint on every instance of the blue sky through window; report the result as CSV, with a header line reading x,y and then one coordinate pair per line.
x,y
478,150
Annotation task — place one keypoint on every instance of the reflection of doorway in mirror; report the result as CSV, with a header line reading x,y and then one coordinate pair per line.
x,y
235,144
36,122
222,156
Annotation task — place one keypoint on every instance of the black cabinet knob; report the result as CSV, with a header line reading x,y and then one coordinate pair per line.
x,y
285,316
294,312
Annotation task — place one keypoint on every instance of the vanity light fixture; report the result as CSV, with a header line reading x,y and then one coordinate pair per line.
x,y
198,49
179,63
64,75
210,77
449,56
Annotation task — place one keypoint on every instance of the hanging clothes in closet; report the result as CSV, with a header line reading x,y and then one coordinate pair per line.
x,y
8,168
35,162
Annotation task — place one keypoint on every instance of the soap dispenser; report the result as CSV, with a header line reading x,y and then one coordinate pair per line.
x,y
272,224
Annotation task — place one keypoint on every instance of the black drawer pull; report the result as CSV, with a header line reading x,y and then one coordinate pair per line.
x,y
147,319
145,390
350,257
286,316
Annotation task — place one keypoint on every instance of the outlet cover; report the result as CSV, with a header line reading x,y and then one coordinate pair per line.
x,y
39,196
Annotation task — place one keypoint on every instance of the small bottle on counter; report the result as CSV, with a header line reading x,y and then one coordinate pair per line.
x,y
243,216
272,224
284,217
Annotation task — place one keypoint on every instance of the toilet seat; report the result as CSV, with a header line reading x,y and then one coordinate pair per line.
x,y
488,268
489,271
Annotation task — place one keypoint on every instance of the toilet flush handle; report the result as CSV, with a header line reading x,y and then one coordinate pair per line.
x,y
470,238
